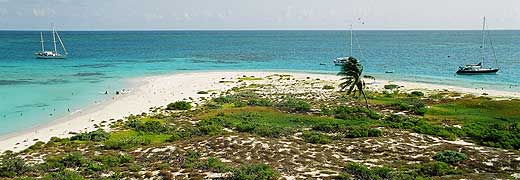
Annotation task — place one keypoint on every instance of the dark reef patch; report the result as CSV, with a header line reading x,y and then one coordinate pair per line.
x,y
92,66
38,105
14,82
83,74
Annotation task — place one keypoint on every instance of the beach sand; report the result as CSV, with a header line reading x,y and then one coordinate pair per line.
x,y
156,91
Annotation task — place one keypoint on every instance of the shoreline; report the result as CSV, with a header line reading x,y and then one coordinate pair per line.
x,y
159,90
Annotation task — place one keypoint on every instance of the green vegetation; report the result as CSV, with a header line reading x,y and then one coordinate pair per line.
x,y
391,86
255,172
179,105
250,78
316,138
352,71
450,157
420,171
295,105
97,135
284,125
11,166
203,92
328,87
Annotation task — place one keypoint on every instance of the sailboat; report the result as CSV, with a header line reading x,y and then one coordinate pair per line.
x,y
479,67
342,60
43,54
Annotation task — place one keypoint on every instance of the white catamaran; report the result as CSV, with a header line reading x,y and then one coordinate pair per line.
x,y
51,54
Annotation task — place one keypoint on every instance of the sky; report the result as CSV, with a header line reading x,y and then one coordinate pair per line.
x,y
257,14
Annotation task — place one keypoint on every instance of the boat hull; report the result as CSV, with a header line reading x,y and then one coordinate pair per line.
x,y
487,71
51,57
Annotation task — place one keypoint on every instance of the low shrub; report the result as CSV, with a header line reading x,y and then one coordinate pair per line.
x,y
350,113
74,160
214,165
203,92
358,132
373,132
254,172
114,160
260,102
97,135
328,126
328,87
149,126
359,171
295,105
436,169
64,175
126,142
179,105
450,157
12,166
391,86
414,105
316,138
417,93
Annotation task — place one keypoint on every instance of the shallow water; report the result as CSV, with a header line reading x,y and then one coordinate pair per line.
x,y
33,92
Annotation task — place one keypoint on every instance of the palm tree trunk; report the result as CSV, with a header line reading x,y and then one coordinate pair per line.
x,y
366,101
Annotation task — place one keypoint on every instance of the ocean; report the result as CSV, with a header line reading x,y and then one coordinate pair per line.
x,y
34,92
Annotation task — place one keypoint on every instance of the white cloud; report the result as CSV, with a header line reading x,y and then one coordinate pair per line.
x,y
3,12
43,12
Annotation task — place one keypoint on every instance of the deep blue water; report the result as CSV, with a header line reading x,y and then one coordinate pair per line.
x,y
31,90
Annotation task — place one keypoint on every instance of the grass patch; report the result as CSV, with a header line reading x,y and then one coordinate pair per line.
x,y
129,139
250,78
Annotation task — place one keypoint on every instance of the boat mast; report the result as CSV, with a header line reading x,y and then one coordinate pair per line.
x,y
41,41
483,40
54,38
61,42
351,40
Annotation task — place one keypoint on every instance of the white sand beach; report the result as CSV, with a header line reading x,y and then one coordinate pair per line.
x,y
158,91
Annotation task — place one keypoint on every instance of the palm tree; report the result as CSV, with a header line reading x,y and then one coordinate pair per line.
x,y
352,71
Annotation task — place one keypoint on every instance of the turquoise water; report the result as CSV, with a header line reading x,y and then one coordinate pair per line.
x,y
33,92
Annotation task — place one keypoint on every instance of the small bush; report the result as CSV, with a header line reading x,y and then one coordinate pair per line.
x,y
350,113
316,138
151,126
12,166
328,87
417,93
373,132
260,102
414,105
73,160
328,126
295,105
224,99
254,172
97,135
210,127
359,171
202,92
214,165
114,161
126,142
64,175
436,169
179,105
450,157
391,86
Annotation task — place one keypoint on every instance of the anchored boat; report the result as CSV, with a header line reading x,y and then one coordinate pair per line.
x,y
342,60
43,54
479,68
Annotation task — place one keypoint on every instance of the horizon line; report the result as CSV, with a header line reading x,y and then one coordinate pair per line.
x,y
258,29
